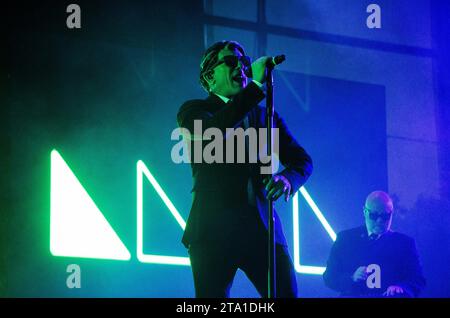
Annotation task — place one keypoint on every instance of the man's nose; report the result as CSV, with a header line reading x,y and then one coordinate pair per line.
x,y
240,68
239,65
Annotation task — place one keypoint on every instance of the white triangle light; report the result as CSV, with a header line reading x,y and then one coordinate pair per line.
x,y
77,226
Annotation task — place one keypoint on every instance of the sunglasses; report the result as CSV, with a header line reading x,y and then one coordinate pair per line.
x,y
375,215
233,60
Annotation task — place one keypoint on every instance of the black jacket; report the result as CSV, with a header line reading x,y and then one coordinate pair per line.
x,y
219,188
394,252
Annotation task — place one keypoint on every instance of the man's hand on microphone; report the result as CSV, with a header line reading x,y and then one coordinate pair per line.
x,y
277,186
259,69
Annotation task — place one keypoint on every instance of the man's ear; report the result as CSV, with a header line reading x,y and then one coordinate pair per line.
x,y
209,77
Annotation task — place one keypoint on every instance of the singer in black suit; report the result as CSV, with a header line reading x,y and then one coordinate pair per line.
x,y
348,269
227,225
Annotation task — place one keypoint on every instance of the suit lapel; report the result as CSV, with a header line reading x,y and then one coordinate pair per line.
x,y
215,102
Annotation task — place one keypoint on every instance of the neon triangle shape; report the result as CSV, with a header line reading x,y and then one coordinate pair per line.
x,y
142,170
77,226
307,269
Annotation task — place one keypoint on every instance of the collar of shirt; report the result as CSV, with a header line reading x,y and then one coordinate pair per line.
x,y
225,99
375,236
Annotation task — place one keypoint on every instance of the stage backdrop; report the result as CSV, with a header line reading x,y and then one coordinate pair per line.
x,y
90,114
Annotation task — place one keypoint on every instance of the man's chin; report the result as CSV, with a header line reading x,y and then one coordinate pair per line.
x,y
379,231
240,84
238,89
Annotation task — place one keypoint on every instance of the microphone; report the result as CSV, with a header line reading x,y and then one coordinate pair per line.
x,y
276,60
272,62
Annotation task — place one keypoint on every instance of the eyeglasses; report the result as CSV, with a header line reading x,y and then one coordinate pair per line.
x,y
373,215
233,60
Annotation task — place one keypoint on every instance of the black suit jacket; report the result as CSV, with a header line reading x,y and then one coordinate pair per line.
x,y
220,189
394,252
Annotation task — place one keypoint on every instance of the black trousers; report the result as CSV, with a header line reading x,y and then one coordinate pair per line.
x,y
214,264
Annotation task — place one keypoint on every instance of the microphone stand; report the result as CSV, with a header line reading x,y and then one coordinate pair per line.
x,y
271,287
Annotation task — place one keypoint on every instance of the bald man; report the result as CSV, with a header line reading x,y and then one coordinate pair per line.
x,y
372,260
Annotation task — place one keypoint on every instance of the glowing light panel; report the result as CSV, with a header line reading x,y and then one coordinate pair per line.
x,y
77,226
151,258
314,270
